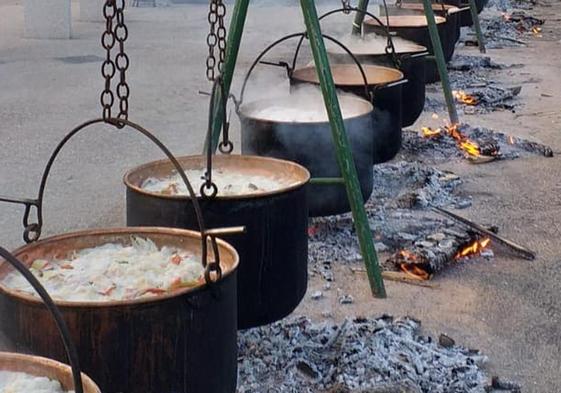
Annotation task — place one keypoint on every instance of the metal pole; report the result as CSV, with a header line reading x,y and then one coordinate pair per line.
x,y
237,22
440,63
342,147
477,26
359,16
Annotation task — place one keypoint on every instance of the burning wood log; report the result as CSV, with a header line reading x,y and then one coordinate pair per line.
x,y
483,151
518,249
425,258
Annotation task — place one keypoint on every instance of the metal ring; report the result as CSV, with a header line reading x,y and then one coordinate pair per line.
x,y
31,233
211,186
226,147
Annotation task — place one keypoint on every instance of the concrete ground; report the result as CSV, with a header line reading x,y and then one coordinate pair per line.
x,y
508,307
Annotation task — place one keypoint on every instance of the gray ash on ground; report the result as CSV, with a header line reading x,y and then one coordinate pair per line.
x,y
416,147
396,213
505,30
476,77
359,355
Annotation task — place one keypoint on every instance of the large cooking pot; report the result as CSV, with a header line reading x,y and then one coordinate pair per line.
x,y
180,341
43,367
68,377
415,28
310,143
410,59
385,91
452,13
272,277
465,18
183,341
307,138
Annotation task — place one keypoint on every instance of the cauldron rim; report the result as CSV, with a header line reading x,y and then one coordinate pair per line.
x,y
246,108
405,21
44,367
301,175
118,233
390,75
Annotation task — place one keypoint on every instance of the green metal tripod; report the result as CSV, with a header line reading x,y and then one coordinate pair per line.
x,y
342,146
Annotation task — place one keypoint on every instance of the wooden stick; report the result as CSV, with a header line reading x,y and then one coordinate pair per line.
x,y
511,40
520,250
400,277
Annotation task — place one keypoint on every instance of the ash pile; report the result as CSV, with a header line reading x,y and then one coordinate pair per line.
x,y
507,29
438,145
360,355
476,89
398,216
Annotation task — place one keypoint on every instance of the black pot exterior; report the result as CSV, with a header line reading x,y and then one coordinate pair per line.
x,y
413,92
273,270
311,145
465,18
420,35
386,118
184,344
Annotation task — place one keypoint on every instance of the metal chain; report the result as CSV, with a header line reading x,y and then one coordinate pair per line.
x,y
346,6
221,32
122,61
216,37
108,69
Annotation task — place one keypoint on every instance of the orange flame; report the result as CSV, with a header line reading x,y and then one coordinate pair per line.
x,y
511,140
467,145
430,133
470,147
414,271
474,248
536,31
465,98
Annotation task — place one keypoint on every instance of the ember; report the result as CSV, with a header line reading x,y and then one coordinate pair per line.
x,y
471,148
474,248
465,98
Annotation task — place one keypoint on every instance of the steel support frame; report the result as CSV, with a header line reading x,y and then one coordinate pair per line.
x,y
342,146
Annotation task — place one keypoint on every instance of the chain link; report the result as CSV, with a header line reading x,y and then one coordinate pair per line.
x,y
122,61
216,37
116,32
108,68
346,6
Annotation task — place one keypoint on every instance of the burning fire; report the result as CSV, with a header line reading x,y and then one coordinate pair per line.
x,y
471,148
464,98
430,133
536,31
414,271
474,248
411,267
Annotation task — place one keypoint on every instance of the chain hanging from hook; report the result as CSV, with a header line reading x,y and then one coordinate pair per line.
x,y
116,32
346,5
216,37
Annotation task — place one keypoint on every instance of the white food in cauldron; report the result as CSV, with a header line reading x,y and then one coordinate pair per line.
x,y
373,44
114,271
17,382
228,182
298,111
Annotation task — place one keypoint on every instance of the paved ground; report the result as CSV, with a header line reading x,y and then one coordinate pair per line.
x,y
508,307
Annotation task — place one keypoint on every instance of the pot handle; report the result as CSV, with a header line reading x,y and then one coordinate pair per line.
x,y
390,48
69,346
302,36
32,232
